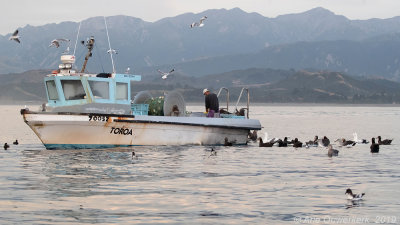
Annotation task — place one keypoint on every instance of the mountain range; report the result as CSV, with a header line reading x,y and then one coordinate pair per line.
x,y
230,40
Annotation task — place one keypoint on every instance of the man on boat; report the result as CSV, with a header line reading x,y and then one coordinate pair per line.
x,y
211,101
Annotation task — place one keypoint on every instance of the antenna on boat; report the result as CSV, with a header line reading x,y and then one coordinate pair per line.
x,y
77,35
111,51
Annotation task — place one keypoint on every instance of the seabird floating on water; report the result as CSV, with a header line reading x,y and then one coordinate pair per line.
x,y
6,146
15,142
374,147
266,144
332,152
353,197
361,141
344,142
384,142
15,37
297,143
227,142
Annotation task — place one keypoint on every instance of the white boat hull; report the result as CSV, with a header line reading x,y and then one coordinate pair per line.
x,y
62,131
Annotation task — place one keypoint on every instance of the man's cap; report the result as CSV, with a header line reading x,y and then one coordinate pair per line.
x,y
205,90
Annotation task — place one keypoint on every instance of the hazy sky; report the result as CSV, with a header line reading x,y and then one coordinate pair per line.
x,y
19,13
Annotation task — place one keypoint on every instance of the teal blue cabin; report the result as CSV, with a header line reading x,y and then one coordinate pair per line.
x,y
101,93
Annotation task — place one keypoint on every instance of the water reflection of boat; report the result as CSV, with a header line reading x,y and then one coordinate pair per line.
x,y
95,110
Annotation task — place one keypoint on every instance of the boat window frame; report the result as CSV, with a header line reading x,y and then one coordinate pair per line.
x,y
50,90
126,97
84,94
92,89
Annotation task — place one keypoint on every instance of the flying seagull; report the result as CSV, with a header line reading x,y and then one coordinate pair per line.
x,y
66,51
164,74
15,36
201,21
200,24
112,51
56,42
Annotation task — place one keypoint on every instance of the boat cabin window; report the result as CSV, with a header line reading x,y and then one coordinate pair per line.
x,y
100,89
121,91
51,90
73,89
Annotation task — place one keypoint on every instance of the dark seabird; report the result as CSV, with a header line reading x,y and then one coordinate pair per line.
x,y
354,197
374,147
253,135
213,152
6,146
283,143
325,141
297,143
332,152
15,142
227,143
266,144
384,142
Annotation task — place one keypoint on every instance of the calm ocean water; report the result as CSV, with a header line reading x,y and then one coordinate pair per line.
x,y
188,185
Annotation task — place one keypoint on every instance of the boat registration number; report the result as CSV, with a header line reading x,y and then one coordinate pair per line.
x,y
98,118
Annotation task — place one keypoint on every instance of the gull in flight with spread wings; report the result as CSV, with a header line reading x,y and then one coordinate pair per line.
x,y
112,51
164,74
200,24
15,37
56,42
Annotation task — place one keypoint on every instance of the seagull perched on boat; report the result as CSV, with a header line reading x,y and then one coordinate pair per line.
x,y
112,51
353,197
15,37
127,70
56,42
164,74
200,24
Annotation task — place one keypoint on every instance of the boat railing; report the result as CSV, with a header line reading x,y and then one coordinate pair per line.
x,y
248,101
227,97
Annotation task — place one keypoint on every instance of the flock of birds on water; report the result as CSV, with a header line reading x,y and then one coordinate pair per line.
x,y
322,142
57,42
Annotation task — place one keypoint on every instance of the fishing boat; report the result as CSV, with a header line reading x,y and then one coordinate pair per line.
x,y
86,110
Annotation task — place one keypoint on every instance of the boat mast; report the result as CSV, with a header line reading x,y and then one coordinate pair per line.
x,y
89,45
111,51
